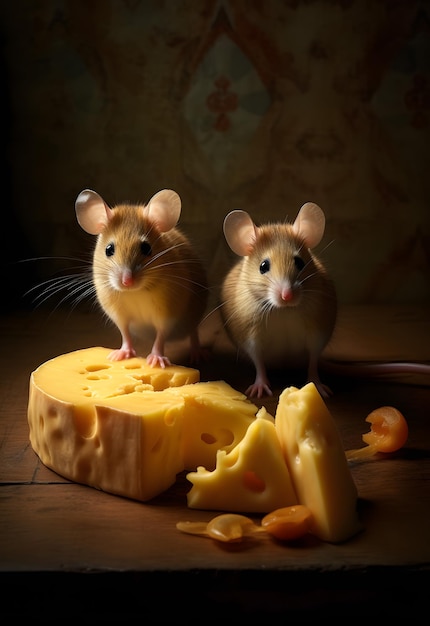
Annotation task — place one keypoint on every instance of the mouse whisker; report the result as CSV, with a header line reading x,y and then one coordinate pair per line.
x,y
155,258
212,312
77,285
77,289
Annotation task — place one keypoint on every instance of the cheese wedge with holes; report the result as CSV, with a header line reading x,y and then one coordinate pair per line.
x,y
314,453
253,477
128,428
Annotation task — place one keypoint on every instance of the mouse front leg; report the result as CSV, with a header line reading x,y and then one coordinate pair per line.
x,y
314,377
197,352
261,385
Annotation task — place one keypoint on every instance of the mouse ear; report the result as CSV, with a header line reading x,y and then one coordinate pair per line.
x,y
92,212
240,232
310,224
164,209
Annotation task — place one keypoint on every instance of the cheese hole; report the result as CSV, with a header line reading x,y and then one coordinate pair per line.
x,y
123,390
87,391
97,377
142,378
224,437
86,422
253,482
207,438
96,368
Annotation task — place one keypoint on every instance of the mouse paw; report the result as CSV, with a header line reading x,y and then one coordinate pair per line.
x,y
258,390
157,360
121,354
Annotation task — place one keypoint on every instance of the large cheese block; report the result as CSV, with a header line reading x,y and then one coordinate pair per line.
x,y
128,428
317,462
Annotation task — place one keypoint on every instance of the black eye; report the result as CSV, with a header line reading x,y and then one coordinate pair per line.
x,y
145,248
264,266
299,263
110,249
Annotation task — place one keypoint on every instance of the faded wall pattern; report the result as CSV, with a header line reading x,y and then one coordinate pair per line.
x,y
234,104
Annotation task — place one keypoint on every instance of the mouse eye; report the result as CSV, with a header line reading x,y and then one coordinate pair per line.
x,y
299,263
264,266
145,248
110,249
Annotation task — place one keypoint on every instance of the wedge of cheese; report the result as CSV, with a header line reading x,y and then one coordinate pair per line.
x,y
252,478
128,428
314,453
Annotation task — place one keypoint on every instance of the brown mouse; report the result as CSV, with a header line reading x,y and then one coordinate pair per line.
x,y
278,303
146,273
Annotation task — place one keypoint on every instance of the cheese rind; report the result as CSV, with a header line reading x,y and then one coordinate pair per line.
x,y
314,453
252,478
100,422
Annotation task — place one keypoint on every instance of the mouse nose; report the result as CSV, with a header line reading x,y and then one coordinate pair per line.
x,y
127,278
286,294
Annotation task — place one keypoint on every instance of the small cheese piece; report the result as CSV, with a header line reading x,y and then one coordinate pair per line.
x,y
100,422
252,478
314,453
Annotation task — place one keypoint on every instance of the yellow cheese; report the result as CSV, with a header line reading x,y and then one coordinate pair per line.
x,y
252,478
129,429
315,456
215,416
101,423
88,374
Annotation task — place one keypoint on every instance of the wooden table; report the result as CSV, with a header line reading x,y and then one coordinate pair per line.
x,y
96,554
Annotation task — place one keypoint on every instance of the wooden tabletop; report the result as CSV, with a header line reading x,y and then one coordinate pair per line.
x,y
69,542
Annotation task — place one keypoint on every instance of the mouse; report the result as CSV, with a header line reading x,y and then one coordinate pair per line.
x,y
147,276
278,302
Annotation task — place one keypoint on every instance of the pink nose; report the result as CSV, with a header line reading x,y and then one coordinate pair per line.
x,y
286,294
127,278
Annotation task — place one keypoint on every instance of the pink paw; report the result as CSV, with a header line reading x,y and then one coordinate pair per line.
x,y
258,390
121,354
157,360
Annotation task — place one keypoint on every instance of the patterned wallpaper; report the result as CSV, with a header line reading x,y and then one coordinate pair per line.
x,y
234,104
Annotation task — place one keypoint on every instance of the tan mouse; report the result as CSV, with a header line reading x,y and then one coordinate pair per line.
x,y
278,303
146,273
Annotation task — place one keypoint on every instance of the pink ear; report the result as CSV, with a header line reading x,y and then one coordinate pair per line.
x,y
164,209
310,224
92,212
240,232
